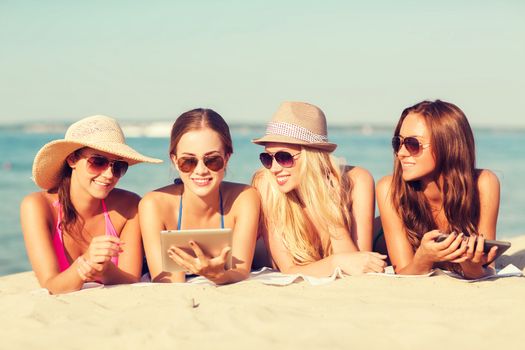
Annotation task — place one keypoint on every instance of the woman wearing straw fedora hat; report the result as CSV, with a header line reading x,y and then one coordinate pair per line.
x,y
81,228
317,215
200,148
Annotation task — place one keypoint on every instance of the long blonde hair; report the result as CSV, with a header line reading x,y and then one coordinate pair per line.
x,y
323,189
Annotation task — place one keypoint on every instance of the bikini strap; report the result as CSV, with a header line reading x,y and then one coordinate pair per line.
x,y
179,221
106,214
222,210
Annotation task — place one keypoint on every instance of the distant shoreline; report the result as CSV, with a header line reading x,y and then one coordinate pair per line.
x,y
142,128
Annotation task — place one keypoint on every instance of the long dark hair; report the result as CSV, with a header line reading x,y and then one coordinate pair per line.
x,y
71,222
452,144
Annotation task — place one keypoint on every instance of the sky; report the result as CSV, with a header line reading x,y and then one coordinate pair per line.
x,y
359,61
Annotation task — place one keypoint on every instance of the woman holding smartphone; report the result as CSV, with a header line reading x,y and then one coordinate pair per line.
x,y
200,148
317,214
81,228
436,188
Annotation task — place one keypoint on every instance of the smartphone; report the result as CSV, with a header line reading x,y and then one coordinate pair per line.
x,y
489,243
502,246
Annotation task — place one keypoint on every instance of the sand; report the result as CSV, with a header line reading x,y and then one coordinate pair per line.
x,y
372,312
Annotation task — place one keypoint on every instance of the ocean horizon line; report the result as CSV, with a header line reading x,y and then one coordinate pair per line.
x,y
160,128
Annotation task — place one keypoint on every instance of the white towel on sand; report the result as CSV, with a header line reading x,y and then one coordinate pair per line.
x,y
272,277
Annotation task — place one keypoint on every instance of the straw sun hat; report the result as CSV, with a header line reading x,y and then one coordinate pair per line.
x,y
298,123
98,132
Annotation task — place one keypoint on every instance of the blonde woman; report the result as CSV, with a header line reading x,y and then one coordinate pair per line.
x,y
317,214
81,228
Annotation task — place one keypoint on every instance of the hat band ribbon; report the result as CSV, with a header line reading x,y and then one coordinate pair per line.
x,y
295,131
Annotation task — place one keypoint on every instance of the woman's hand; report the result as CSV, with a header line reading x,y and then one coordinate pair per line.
x,y
475,253
451,249
87,271
211,268
358,263
475,259
93,263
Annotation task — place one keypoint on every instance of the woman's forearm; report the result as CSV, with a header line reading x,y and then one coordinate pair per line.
x,y
418,266
475,271
320,268
230,276
114,275
66,281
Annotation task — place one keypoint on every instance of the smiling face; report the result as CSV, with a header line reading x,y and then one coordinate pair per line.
x,y
421,165
97,182
288,179
203,145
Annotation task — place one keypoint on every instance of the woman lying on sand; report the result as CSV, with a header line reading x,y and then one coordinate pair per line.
x,y
200,148
317,214
436,188
81,228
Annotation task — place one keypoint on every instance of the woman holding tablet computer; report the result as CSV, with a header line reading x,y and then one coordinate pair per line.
x,y
317,213
436,188
200,148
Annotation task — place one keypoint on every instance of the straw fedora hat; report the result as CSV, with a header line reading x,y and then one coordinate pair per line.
x,y
98,132
298,123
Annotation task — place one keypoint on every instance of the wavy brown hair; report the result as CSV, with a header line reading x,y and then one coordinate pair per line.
x,y
71,222
452,145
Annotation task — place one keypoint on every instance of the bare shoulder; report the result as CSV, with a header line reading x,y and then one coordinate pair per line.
x,y
37,200
124,202
123,198
488,184
166,190
383,186
385,181
238,190
487,180
121,195
358,175
257,178
38,206
161,196
240,196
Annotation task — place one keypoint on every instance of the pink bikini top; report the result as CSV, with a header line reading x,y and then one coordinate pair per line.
x,y
58,243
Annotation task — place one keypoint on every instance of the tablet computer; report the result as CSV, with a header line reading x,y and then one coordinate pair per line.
x,y
211,240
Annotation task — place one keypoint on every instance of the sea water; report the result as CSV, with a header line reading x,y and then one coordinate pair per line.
x,y
502,151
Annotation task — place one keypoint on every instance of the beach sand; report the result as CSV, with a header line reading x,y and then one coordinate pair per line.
x,y
373,312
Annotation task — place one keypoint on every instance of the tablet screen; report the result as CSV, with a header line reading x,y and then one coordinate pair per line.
x,y
212,241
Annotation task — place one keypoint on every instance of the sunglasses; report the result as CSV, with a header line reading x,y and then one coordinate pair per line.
x,y
412,144
188,164
284,159
97,164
